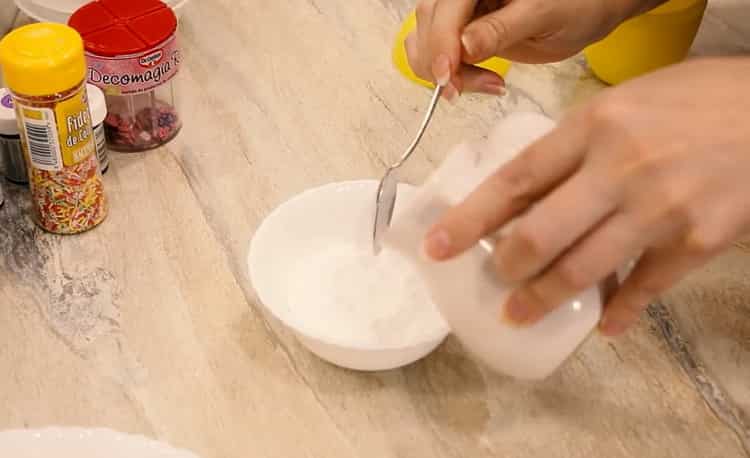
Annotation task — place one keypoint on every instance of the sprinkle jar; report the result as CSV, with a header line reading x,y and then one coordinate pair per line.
x,y
11,151
45,69
98,107
133,56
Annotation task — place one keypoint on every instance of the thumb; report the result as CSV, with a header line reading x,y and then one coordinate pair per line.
x,y
488,35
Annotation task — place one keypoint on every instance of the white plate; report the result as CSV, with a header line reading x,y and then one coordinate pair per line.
x,y
82,443
50,11
312,225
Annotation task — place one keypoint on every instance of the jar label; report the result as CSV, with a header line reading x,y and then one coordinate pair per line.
x,y
101,147
7,101
135,73
40,135
61,137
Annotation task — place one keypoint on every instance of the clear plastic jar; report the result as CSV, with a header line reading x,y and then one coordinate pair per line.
x,y
133,56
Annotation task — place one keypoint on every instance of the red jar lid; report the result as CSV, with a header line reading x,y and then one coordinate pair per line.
x,y
118,27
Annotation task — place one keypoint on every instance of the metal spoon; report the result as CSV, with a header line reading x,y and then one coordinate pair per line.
x,y
386,197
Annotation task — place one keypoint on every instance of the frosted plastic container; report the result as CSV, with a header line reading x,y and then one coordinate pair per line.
x,y
466,289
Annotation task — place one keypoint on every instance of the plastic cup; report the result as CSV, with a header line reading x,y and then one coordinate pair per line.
x,y
656,39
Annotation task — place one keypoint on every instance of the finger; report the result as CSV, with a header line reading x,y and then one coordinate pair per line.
x,y
553,225
411,44
656,271
534,53
475,79
424,12
420,66
508,192
448,21
590,261
450,93
490,34
661,267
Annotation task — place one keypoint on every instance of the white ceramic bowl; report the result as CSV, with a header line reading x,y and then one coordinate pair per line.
x,y
82,443
315,220
60,10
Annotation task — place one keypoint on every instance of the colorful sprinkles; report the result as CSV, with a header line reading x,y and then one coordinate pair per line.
x,y
71,200
149,128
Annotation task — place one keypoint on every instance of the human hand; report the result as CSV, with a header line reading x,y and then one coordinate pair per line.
x,y
658,167
452,35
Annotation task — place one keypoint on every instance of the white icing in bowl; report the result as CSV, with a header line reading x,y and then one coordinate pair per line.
x,y
311,266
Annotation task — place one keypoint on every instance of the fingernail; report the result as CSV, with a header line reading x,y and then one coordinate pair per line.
x,y
441,69
451,93
470,42
516,311
610,327
496,89
437,244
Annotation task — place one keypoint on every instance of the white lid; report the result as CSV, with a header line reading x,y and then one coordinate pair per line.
x,y
97,104
8,124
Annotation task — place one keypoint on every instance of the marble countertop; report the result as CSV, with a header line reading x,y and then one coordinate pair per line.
x,y
149,325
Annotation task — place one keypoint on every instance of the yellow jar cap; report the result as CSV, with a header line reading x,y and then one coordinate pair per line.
x,y
42,59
